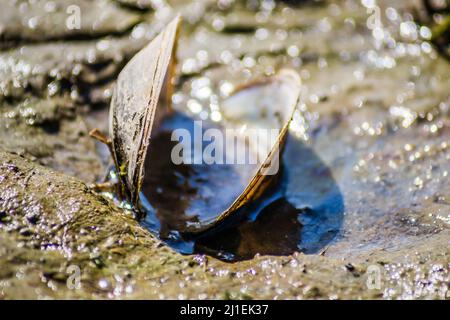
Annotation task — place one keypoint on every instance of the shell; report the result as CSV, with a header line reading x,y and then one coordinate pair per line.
x,y
134,104
135,117
234,109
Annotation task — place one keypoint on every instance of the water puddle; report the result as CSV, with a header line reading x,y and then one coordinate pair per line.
x,y
277,224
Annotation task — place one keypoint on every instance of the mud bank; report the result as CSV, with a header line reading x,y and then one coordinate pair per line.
x,y
367,162
50,222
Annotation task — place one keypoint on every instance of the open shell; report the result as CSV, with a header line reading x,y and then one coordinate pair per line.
x,y
136,114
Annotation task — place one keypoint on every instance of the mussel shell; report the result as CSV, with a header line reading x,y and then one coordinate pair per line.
x,y
134,105
193,198
137,110
283,92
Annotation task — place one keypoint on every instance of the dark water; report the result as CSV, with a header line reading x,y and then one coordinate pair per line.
x,y
301,211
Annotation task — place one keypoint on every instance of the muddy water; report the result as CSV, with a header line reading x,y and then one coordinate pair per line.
x,y
366,167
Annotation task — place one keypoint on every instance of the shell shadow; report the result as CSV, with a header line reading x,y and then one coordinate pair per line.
x,y
303,211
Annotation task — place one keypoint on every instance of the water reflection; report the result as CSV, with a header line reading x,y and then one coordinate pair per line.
x,y
302,212
188,195
275,231
310,185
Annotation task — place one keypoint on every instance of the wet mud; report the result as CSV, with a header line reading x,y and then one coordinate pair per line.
x,y
365,179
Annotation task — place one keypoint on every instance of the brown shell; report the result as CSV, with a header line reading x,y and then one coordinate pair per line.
x,y
136,111
261,181
134,105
